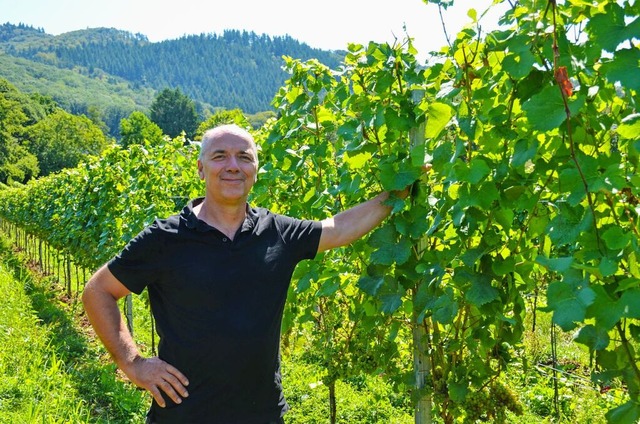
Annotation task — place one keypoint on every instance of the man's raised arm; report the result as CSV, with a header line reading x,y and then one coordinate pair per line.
x,y
348,226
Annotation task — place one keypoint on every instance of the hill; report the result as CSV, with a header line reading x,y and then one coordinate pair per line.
x,y
237,69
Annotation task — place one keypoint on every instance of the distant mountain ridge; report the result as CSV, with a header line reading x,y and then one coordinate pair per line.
x,y
237,69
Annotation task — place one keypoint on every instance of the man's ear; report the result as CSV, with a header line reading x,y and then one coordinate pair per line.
x,y
200,171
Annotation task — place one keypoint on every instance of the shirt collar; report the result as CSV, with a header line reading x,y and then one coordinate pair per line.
x,y
194,223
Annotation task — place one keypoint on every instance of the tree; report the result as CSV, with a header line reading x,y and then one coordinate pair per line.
x,y
234,116
62,140
16,163
174,112
139,129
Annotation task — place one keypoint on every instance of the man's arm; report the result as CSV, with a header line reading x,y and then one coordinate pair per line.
x,y
100,299
348,226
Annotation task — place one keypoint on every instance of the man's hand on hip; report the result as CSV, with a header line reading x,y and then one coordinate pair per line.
x,y
155,375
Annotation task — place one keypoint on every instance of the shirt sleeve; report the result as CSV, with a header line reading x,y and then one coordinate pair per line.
x,y
302,235
137,265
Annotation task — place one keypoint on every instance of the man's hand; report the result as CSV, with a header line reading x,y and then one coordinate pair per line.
x,y
155,375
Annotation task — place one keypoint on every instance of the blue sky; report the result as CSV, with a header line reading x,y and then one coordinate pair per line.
x,y
326,24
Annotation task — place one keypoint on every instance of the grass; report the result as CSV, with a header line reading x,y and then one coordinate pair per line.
x,y
51,372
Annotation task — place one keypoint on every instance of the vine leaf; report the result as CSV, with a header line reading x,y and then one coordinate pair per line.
x,y
627,413
445,308
519,64
546,110
438,116
389,250
606,311
394,178
370,285
390,302
609,29
623,68
568,303
481,292
630,127
615,238
630,300
566,227
594,338
555,264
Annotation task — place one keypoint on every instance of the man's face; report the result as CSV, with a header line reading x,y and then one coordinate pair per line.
x,y
229,166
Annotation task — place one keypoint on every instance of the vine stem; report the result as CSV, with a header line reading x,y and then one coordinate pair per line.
x,y
444,27
556,56
627,349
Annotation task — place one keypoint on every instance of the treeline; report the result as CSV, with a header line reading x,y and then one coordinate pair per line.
x,y
38,137
237,69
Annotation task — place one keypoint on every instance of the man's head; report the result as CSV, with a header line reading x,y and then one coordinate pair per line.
x,y
215,133
228,163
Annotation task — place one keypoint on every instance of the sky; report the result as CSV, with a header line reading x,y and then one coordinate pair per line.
x,y
323,24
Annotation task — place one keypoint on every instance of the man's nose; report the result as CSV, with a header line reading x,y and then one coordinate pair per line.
x,y
232,164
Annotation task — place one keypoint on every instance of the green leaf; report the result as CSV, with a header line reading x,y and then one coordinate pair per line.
x,y
389,249
592,337
555,264
468,125
400,122
569,304
438,116
623,68
370,285
457,390
546,110
478,170
630,127
630,301
627,413
309,195
519,64
609,29
356,161
472,173
390,303
607,266
394,178
445,308
615,238
503,266
606,311
304,283
481,292
329,287
566,227
523,151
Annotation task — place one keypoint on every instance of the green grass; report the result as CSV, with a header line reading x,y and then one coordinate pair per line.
x,y
35,384
51,373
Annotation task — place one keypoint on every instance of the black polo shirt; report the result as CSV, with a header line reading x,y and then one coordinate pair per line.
x,y
218,307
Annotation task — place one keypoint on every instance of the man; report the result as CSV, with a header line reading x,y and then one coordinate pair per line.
x,y
217,276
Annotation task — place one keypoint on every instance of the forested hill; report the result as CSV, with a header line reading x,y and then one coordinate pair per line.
x,y
236,69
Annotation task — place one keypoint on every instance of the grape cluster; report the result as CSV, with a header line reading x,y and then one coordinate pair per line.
x,y
490,404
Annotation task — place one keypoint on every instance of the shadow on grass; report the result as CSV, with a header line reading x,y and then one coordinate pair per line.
x,y
109,398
